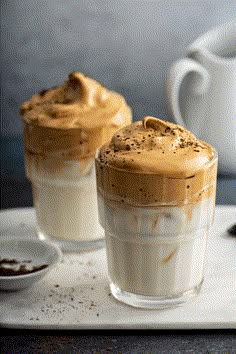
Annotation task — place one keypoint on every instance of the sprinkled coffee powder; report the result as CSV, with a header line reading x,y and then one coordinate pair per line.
x,y
12,267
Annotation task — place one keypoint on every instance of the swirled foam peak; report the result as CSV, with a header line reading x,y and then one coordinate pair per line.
x,y
156,146
152,158
73,119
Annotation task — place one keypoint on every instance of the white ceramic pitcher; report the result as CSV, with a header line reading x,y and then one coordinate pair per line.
x,y
201,92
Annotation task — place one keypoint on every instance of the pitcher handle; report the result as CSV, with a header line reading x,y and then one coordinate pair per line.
x,y
175,77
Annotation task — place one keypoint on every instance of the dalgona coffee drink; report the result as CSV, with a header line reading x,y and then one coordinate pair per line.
x,y
63,127
156,185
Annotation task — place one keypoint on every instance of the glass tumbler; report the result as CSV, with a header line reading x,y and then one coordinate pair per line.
x,y
156,253
65,202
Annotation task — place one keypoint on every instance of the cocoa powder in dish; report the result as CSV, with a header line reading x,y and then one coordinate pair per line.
x,y
12,267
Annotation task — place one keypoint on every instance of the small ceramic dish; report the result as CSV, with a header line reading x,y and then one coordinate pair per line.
x,y
25,261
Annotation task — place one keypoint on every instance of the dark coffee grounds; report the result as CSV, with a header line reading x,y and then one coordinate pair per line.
x,y
21,269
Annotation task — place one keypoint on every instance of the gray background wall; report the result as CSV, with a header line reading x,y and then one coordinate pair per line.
x,y
127,45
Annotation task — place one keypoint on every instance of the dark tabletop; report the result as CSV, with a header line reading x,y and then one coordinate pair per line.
x,y
15,193
177,342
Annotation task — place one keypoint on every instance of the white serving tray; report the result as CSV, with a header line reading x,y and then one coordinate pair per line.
x,y
76,295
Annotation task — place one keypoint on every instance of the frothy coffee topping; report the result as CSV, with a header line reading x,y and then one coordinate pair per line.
x,y
152,158
156,146
80,103
74,119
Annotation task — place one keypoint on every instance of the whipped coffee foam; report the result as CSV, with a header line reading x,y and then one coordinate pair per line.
x,y
156,161
156,146
74,119
80,102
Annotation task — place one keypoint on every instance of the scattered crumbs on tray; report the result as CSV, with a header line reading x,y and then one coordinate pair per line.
x,y
77,290
232,230
61,303
89,263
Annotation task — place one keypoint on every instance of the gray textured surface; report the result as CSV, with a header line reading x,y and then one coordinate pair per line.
x,y
127,45
168,342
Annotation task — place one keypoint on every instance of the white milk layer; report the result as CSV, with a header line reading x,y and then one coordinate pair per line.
x,y
66,205
157,251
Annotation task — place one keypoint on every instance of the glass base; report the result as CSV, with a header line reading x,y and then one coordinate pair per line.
x,y
74,246
154,302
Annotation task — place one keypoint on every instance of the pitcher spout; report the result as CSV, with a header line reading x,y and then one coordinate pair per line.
x,y
218,44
